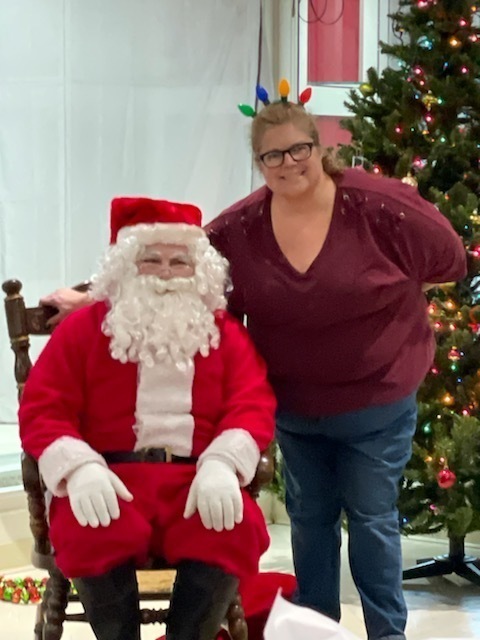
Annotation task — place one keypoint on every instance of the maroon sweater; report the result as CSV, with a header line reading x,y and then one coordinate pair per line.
x,y
353,330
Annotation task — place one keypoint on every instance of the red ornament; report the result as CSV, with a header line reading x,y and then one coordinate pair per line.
x,y
446,479
305,96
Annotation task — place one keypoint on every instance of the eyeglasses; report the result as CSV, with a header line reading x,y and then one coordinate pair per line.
x,y
173,263
298,152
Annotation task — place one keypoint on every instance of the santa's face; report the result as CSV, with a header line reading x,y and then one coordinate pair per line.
x,y
162,299
165,261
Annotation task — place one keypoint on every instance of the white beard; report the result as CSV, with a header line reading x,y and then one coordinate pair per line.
x,y
152,321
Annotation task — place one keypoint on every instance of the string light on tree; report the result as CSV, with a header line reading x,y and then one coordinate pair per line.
x,y
454,354
450,305
427,428
454,42
475,218
448,399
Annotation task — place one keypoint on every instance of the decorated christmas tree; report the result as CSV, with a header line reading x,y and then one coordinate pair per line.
x,y
420,121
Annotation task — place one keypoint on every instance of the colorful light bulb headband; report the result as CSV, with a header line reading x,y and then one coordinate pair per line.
x,y
283,90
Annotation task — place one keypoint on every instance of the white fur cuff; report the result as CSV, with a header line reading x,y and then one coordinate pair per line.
x,y
62,457
176,232
238,448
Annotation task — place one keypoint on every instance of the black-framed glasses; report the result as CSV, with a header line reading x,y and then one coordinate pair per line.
x,y
298,152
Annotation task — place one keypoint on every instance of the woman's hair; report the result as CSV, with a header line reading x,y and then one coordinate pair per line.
x,y
278,113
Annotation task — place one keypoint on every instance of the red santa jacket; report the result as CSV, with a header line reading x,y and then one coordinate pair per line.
x,y
79,401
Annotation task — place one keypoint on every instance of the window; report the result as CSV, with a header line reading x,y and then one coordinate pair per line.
x,y
338,42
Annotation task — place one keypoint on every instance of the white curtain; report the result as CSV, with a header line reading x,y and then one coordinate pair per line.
x,y
100,98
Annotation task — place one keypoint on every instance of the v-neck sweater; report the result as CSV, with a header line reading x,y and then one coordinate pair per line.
x,y
353,330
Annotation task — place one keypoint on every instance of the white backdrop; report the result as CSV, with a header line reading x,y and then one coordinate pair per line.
x,y
112,97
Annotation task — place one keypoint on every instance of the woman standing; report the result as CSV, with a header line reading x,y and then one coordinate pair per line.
x,y
329,269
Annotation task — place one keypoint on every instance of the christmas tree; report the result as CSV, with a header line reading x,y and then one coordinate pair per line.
x,y
420,121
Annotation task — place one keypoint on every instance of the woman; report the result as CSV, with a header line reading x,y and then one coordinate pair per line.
x,y
329,267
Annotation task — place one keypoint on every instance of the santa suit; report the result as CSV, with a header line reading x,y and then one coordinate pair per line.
x,y
79,402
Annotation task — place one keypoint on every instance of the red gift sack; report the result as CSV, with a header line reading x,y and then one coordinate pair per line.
x,y
258,594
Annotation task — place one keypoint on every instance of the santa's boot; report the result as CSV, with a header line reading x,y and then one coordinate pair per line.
x,y
200,600
111,603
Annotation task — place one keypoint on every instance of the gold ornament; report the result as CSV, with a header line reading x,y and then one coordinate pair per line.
x,y
409,179
429,100
366,89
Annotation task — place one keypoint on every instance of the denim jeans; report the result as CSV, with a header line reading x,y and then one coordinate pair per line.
x,y
354,462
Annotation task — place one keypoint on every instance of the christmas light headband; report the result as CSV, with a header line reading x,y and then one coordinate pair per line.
x,y
283,90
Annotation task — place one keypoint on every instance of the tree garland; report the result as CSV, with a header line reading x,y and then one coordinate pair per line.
x,y
23,590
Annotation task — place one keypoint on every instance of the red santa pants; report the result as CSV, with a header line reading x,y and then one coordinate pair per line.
x,y
153,525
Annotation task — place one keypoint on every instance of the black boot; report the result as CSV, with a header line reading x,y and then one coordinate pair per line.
x,y
200,600
111,603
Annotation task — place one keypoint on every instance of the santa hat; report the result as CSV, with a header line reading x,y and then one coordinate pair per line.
x,y
150,221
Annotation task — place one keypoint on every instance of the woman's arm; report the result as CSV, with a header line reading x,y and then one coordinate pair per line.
x,y
65,301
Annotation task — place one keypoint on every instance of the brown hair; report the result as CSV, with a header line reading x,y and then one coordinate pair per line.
x,y
278,113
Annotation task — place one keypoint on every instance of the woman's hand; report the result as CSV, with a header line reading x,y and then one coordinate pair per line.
x,y
66,301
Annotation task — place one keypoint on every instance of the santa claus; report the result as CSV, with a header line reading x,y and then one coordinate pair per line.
x,y
147,412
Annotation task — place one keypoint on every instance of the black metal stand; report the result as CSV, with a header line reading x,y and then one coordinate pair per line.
x,y
455,561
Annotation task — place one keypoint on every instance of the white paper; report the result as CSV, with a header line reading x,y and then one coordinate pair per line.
x,y
288,621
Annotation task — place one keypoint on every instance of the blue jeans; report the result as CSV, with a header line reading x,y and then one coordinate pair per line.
x,y
354,462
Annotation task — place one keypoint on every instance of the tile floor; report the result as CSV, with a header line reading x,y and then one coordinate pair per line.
x,y
439,608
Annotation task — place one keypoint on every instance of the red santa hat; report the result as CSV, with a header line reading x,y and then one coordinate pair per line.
x,y
151,221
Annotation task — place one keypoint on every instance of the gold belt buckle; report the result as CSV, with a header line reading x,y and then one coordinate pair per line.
x,y
168,454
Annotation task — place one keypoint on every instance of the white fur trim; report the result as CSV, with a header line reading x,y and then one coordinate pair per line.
x,y
169,233
235,447
60,458
164,407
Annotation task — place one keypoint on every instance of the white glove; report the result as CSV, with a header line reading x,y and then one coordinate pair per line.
x,y
92,490
215,492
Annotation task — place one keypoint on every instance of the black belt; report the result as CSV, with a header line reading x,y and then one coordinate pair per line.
x,y
148,454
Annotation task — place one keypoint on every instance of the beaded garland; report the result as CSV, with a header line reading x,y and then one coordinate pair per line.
x,y
23,590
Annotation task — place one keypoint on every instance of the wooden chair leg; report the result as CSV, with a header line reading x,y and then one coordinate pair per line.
x,y
55,603
39,620
237,625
